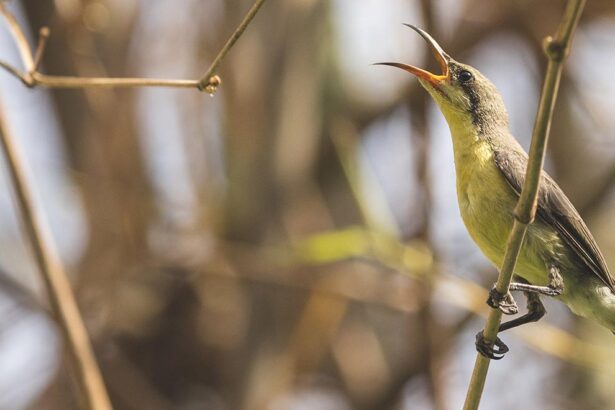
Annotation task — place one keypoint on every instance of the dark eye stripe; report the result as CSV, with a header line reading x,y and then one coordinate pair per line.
x,y
469,90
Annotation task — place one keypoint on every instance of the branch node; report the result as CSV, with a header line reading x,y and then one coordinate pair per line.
x,y
28,80
555,50
211,86
522,218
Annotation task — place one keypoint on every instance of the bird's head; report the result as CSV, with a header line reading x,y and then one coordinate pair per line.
x,y
461,91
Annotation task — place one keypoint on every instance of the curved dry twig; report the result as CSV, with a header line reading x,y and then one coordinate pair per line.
x,y
61,297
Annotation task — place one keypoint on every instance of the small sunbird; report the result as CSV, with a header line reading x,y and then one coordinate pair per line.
x,y
559,256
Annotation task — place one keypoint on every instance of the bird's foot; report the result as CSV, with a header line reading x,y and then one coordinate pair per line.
x,y
505,303
495,351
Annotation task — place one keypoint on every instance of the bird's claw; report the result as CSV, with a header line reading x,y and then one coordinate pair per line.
x,y
505,303
495,351
552,292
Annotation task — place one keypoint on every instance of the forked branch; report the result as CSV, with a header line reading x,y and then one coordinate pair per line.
x,y
31,77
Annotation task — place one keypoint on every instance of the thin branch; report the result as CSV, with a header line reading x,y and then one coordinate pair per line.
x,y
14,71
208,77
43,36
59,81
20,38
55,81
61,298
556,50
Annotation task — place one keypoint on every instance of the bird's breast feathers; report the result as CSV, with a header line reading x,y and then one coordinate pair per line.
x,y
485,200
486,203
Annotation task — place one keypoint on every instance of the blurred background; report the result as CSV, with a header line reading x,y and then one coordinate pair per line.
x,y
293,241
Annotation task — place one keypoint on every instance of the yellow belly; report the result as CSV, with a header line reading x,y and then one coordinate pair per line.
x,y
486,203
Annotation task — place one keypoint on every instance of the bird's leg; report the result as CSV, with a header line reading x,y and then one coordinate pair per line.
x,y
535,311
554,288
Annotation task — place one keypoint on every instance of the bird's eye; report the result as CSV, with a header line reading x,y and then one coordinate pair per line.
x,y
464,76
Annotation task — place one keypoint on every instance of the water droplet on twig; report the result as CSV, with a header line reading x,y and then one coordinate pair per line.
x,y
212,85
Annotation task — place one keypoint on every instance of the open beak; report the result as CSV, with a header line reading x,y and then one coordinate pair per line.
x,y
440,55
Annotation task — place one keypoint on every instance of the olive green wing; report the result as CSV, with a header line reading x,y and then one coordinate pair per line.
x,y
555,209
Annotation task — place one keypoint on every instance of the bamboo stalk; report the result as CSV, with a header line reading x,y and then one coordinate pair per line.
x,y
556,50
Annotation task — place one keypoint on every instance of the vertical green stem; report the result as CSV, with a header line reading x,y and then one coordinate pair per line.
x,y
556,50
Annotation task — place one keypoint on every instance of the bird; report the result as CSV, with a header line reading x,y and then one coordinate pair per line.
x,y
559,257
